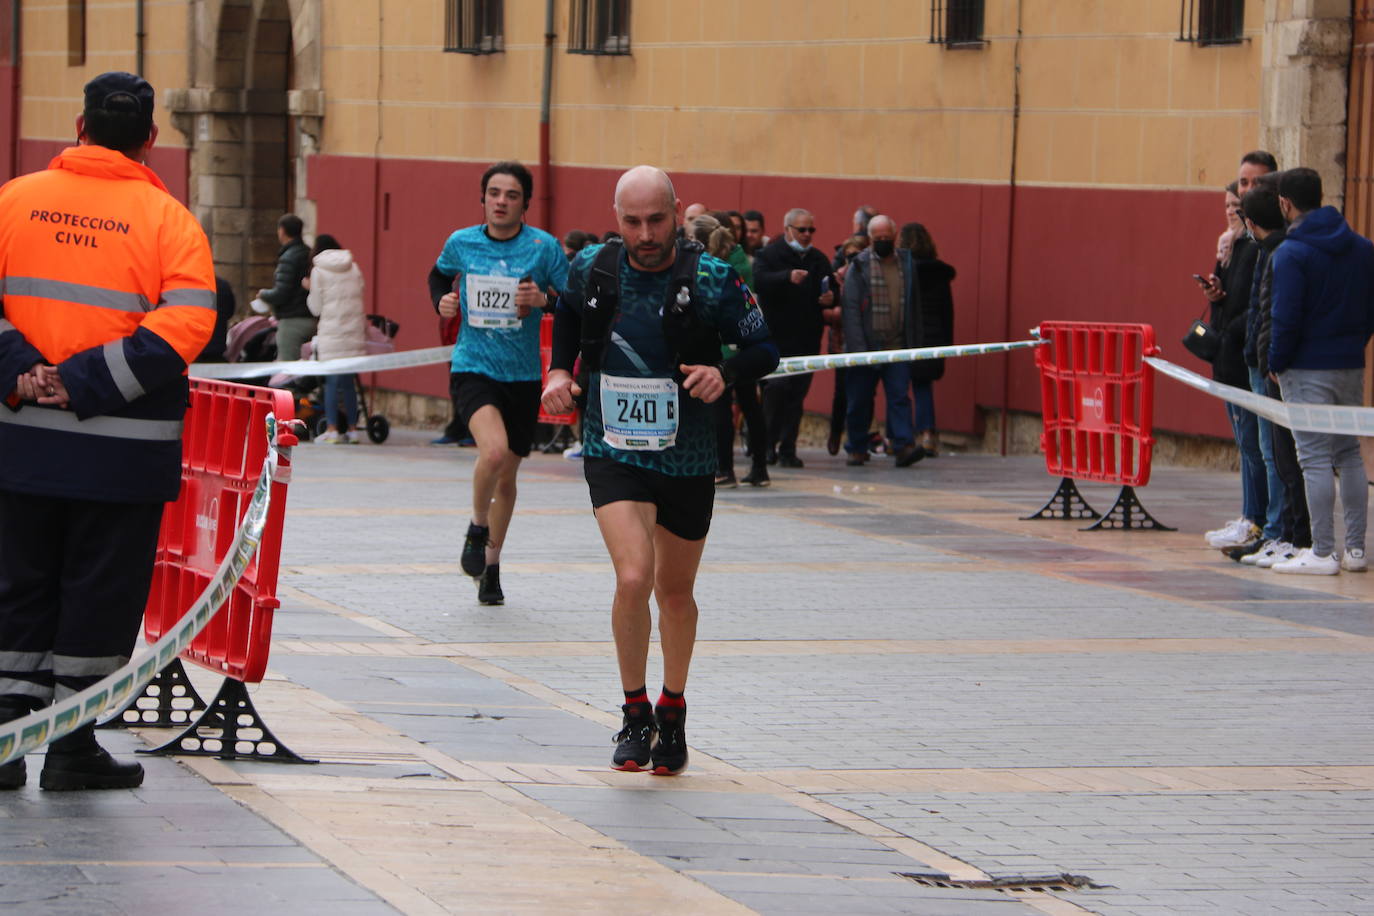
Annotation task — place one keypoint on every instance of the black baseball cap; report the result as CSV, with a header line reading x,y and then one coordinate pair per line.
x,y
120,91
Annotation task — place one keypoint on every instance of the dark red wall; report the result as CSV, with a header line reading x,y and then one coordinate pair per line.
x,y
171,164
1075,254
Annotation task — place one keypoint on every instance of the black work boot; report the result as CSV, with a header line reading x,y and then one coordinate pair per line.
x,y
14,774
78,762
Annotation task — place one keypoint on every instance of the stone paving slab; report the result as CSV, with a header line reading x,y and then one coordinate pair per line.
x,y
897,676
1270,852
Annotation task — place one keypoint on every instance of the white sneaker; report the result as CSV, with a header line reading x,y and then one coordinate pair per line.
x,y
1268,549
1244,532
1228,528
332,437
352,437
573,452
1354,560
1282,551
1308,563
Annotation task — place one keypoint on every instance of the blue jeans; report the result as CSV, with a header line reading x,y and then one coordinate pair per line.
x,y
1253,487
1273,515
334,387
861,383
923,393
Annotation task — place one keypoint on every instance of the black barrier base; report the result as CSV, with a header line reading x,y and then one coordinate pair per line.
x,y
229,729
168,701
1127,514
1066,502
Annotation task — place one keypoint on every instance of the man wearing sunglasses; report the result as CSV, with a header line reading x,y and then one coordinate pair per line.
x,y
794,282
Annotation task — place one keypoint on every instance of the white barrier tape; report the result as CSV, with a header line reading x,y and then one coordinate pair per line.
x,y
406,359
432,356
1310,418
20,736
800,365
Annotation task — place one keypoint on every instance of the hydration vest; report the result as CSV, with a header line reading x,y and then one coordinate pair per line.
x,y
690,339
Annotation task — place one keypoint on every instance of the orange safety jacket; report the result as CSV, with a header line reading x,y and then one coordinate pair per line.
x,y
106,276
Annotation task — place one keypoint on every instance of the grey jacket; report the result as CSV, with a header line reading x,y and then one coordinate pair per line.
x,y
855,313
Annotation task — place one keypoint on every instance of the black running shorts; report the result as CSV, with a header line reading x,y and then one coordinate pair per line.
x,y
684,503
518,403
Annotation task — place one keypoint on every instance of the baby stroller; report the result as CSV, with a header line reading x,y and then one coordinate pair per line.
x,y
381,335
254,340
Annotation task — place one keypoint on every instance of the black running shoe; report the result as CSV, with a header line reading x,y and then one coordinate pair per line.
x,y
757,476
670,753
489,586
475,550
634,742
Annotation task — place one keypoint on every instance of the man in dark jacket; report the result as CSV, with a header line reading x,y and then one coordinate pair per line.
x,y
881,311
794,283
1322,318
295,324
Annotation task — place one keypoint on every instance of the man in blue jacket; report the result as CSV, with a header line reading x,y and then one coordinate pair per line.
x,y
1322,317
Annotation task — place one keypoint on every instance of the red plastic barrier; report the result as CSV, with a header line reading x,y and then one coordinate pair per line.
x,y
1097,396
545,355
223,447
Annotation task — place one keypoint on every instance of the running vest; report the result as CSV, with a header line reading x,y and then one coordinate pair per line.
x,y
691,340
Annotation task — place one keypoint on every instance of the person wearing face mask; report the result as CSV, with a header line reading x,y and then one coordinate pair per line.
x,y
881,311
795,285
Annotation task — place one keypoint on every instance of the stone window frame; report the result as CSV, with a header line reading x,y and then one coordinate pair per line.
x,y
600,27
474,26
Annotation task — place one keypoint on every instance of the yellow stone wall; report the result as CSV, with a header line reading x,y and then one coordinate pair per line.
x,y
852,88
1109,97
51,89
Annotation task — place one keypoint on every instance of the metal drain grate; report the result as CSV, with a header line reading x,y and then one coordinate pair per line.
x,y
1037,883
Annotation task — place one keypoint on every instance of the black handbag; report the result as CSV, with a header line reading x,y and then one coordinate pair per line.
x,y
1202,340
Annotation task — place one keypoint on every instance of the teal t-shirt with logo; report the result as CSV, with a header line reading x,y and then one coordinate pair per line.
x,y
492,341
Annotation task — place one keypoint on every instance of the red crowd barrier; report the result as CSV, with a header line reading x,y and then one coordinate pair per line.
x,y
545,356
1097,395
223,447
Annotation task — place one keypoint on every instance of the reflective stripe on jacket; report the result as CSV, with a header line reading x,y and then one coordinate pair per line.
x,y
105,275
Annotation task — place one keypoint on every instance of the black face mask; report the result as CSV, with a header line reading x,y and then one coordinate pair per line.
x,y
883,248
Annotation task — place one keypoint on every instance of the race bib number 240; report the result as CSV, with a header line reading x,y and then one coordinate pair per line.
x,y
639,414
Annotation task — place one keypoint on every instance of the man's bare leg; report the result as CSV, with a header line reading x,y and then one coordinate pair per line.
x,y
628,530
494,460
675,576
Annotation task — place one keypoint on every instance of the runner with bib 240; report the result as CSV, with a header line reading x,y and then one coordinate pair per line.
x,y
649,316
502,268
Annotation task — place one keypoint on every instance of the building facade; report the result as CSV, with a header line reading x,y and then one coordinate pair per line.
x,y
1068,156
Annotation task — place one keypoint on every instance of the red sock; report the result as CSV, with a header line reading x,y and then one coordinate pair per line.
x,y
639,695
668,698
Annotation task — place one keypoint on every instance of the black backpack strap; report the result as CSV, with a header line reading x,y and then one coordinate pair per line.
x,y
691,339
602,302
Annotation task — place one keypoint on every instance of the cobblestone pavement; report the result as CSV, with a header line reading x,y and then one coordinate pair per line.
x,y
905,700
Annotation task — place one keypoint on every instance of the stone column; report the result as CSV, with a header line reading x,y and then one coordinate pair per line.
x,y
1306,77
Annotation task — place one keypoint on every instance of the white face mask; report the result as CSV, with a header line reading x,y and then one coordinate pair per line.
x,y
797,245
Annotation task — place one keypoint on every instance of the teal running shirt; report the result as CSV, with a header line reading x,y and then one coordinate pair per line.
x,y
492,342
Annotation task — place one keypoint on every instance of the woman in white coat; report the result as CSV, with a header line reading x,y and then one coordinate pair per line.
x,y
336,298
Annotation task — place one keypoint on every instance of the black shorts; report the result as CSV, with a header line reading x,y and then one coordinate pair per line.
x,y
684,503
518,403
